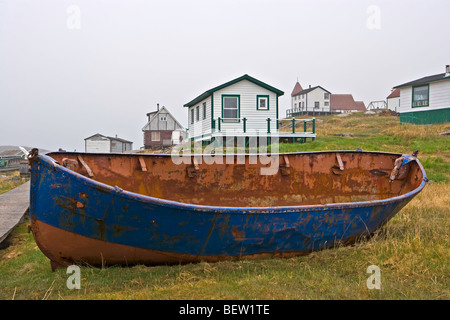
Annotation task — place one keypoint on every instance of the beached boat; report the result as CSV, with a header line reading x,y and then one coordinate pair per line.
x,y
127,209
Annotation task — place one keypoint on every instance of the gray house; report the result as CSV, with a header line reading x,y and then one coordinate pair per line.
x,y
99,143
162,129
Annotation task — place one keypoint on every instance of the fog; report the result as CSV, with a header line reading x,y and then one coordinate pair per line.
x,y
70,69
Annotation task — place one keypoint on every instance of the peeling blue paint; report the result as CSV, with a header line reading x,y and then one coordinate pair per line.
x,y
77,204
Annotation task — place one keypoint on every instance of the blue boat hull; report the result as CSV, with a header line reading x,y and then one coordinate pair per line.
x,y
77,219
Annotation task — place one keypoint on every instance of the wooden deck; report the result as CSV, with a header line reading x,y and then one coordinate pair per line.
x,y
298,136
13,205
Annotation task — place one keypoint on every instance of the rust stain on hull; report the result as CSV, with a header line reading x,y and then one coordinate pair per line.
x,y
58,246
106,209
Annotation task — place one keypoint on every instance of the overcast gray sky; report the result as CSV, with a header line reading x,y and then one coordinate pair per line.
x,y
70,69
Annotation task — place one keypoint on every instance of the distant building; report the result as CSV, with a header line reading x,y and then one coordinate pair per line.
x,y
426,100
342,103
162,129
312,100
99,143
393,100
239,107
319,101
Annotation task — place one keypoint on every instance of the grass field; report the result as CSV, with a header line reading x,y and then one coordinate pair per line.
x,y
10,180
412,250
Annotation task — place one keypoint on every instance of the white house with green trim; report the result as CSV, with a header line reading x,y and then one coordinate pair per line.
x,y
426,100
244,106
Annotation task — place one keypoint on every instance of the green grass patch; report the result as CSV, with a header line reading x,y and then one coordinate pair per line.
x,y
10,180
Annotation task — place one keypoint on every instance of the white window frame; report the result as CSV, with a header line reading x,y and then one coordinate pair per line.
x,y
156,136
264,98
237,108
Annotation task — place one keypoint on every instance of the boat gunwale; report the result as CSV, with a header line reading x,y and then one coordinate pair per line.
x,y
51,163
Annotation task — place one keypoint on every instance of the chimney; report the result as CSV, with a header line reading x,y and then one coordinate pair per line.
x,y
116,135
447,70
157,107
310,86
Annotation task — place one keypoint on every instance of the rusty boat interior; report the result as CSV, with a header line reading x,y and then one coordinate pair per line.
x,y
301,179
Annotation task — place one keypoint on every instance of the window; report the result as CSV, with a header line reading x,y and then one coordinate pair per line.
x,y
163,118
197,113
420,96
155,136
326,103
316,104
192,116
230,107
326,96
204,110
262,102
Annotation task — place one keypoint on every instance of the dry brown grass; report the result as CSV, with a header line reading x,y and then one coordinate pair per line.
x,y
10,180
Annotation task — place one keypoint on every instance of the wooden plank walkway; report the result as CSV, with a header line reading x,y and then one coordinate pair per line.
x,y
13,205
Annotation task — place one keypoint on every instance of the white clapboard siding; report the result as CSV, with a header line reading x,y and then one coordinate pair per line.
x,y
439,97
203,126
98,146
393,104
256,119
405,99
318,95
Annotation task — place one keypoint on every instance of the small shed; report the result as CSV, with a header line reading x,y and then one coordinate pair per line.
x,y
99,143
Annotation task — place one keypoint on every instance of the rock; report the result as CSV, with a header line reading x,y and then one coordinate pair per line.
x,y
343,114
369,112
344,134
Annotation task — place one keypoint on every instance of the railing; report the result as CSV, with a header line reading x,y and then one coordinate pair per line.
x,y
293,123
268,125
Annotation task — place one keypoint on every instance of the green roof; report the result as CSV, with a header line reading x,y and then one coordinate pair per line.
x,y
207,93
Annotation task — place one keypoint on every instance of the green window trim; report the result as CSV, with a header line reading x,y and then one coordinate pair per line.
x,y
428,97
257,102
232,120
276,107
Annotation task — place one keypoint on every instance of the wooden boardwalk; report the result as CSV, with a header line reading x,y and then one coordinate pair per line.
x,y
13,205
